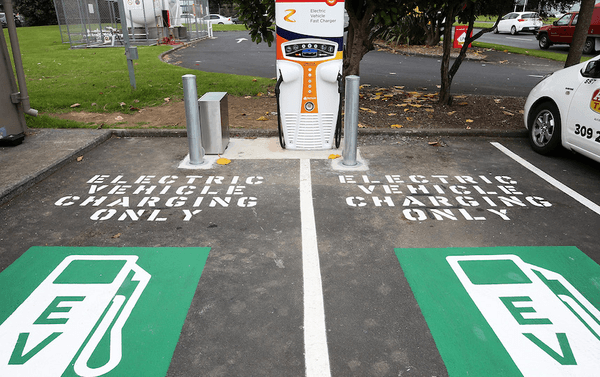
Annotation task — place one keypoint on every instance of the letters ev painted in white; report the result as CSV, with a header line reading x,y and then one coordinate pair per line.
x,y
564,109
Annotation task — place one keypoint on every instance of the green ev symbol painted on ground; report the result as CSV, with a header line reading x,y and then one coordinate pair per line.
x,y
509,311
95,311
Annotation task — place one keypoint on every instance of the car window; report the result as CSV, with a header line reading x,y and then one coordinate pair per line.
x,y
564,20
592,69
507,17
529,15
214,17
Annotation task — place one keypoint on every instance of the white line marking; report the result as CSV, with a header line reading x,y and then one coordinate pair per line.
x,y
572,193
316,354
538,76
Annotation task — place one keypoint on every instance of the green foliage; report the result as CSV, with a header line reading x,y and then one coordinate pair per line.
x,y
537,53
98,80
235,27
37,12
258,16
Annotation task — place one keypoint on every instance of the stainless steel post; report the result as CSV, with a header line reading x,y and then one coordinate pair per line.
x,y
125,32
351,121
192,116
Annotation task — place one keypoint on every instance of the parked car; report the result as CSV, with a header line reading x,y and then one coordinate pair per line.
x,y
561,31
187,18
218,19
19,20
564,109
517,22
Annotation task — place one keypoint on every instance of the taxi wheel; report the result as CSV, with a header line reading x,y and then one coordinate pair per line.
x,y
513,31
495,30
544,128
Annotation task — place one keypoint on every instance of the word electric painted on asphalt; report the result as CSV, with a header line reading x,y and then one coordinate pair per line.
x,y
524,310
161,198
95,311
442,197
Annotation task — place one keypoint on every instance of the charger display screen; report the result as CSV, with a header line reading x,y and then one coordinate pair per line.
x,y
310,50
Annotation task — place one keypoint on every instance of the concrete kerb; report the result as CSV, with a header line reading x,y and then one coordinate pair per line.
x,y
416,132
175,48
31,178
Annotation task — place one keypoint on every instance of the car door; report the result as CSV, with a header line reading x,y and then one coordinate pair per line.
x,y
570,29
559,31
505,23
582,128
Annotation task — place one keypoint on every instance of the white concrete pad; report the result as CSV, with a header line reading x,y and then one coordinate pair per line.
x,y
269,149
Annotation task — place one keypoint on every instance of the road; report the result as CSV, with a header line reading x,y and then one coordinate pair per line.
x,y
523,40
234,52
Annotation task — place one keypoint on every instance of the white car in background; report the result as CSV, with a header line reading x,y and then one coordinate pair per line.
x,y
218,19
564,109
517,22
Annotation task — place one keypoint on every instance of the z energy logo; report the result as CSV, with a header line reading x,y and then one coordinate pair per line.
x,y
595,102
331,2
291,12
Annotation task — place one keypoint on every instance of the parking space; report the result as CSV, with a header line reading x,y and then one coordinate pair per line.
x,y
313,268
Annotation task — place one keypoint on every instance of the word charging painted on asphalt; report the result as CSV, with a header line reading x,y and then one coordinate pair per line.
x,y
95,311
530,309
442,197
161,198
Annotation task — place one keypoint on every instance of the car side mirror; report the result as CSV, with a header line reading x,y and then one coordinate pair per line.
x,y
592,70
554,23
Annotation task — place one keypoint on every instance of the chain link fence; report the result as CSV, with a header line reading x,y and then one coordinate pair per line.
x,y
97,23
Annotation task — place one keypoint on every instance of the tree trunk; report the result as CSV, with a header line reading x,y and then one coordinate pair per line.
x,y
448,72
445,97
581,32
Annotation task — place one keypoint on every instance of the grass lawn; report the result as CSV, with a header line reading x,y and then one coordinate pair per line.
x,y
98,80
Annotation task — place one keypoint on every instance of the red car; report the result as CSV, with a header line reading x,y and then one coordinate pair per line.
x,y
561,32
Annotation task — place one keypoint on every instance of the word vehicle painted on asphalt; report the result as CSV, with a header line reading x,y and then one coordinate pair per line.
x,y
160,198
441,197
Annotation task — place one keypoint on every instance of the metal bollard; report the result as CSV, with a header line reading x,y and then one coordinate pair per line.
x,y
192,116
351,121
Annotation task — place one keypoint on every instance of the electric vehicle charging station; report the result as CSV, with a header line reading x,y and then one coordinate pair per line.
x,y
310,40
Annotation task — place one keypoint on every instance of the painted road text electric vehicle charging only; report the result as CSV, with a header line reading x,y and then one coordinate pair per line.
x,y
309,72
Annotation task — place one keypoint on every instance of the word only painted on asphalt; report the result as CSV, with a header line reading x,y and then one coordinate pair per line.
x,y
161,198
97,311
441,197
521,318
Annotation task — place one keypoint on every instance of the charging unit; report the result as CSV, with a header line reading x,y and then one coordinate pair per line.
x,y
310,38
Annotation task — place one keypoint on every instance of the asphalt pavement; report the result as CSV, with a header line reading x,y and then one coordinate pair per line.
x,y
287,263
499,74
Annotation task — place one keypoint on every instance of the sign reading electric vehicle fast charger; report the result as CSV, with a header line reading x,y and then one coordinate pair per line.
x,y
310,42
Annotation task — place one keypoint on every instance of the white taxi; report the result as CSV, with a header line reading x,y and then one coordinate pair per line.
x,y
564,109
